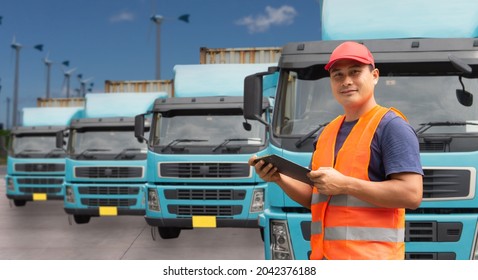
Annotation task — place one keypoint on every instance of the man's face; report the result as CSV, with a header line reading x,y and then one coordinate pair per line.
x,y
353,83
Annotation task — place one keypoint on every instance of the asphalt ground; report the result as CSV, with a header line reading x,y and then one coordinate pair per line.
x,y
43,231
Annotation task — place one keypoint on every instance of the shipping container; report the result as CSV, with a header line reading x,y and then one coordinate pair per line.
x,y
61,102
140,86
239,55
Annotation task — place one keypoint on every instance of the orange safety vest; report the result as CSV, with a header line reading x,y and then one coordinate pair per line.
x,y
343,226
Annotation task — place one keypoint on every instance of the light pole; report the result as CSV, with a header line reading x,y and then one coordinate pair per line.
x,y
48,64
17,47
158,19
8,113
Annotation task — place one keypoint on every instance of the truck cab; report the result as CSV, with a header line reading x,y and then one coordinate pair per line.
x,y
35,166
106,165
432,81
199,145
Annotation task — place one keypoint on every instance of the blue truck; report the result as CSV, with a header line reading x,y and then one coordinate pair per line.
x,y
35,167
428,70
198,148
106,165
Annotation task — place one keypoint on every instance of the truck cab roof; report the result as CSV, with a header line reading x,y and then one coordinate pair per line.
x,y
102,122
391,55
193,104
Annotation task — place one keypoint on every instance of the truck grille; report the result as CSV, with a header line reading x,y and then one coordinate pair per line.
x,y
108,190
40,181
40,167
209,210
431,231
214,194
95,202
39,190
446,183
109,172
204,170
432,147
430,256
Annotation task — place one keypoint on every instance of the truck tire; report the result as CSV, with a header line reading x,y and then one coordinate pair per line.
x,y
19,203
169,232
81,219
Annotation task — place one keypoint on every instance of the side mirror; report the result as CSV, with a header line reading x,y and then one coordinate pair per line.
x,y
253,97
464,97
139,128
253,92
60,142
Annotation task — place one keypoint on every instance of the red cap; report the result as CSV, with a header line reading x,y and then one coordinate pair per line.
x,y
351,50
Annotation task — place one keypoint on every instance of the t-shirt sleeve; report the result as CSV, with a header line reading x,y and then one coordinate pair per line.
x,y
400,148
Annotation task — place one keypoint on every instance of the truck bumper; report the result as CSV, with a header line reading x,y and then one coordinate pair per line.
x,y
95,212
31,197
188,223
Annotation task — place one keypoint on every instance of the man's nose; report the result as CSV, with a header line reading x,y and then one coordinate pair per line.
x,y
347,80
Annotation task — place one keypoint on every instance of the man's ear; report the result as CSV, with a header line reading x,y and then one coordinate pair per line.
x,y
376,75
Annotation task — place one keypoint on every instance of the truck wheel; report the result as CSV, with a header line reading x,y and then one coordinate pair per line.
x,y
19,203
81,219
169,232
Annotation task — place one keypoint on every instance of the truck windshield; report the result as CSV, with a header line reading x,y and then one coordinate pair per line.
x,y
35,146
429,103
106,143
207,130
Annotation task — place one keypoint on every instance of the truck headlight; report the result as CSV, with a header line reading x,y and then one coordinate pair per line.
x,y
153,201
257,203
9,182
280,241
69,194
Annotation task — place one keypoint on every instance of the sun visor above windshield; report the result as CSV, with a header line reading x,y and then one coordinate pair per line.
x,y
103,105
214,79
371,19
50,116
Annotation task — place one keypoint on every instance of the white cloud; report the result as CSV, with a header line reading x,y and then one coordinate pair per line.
x,y
122,16
281,16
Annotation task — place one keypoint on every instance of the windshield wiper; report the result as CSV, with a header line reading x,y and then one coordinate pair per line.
x,y
23,152
175,141
54,151
126,150
86,151
234,139
425,126
302,139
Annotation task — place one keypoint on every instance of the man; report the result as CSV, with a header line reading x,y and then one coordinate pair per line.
x,y
365,168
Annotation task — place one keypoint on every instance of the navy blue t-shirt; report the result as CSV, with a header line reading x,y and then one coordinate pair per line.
x,y
395,147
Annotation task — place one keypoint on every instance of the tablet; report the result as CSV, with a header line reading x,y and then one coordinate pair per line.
x,y
287,167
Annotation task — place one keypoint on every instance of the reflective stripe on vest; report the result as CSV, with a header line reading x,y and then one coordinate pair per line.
x,y
343,226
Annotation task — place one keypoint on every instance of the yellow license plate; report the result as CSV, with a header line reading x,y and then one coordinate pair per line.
x,y
204,221
108,211
39,196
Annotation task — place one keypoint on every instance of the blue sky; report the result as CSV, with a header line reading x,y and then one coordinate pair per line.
x,y
115,39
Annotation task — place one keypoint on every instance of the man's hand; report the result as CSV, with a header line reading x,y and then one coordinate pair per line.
x,y
267,172
328,181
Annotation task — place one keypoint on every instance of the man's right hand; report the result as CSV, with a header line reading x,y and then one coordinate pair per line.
x,y
267,172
